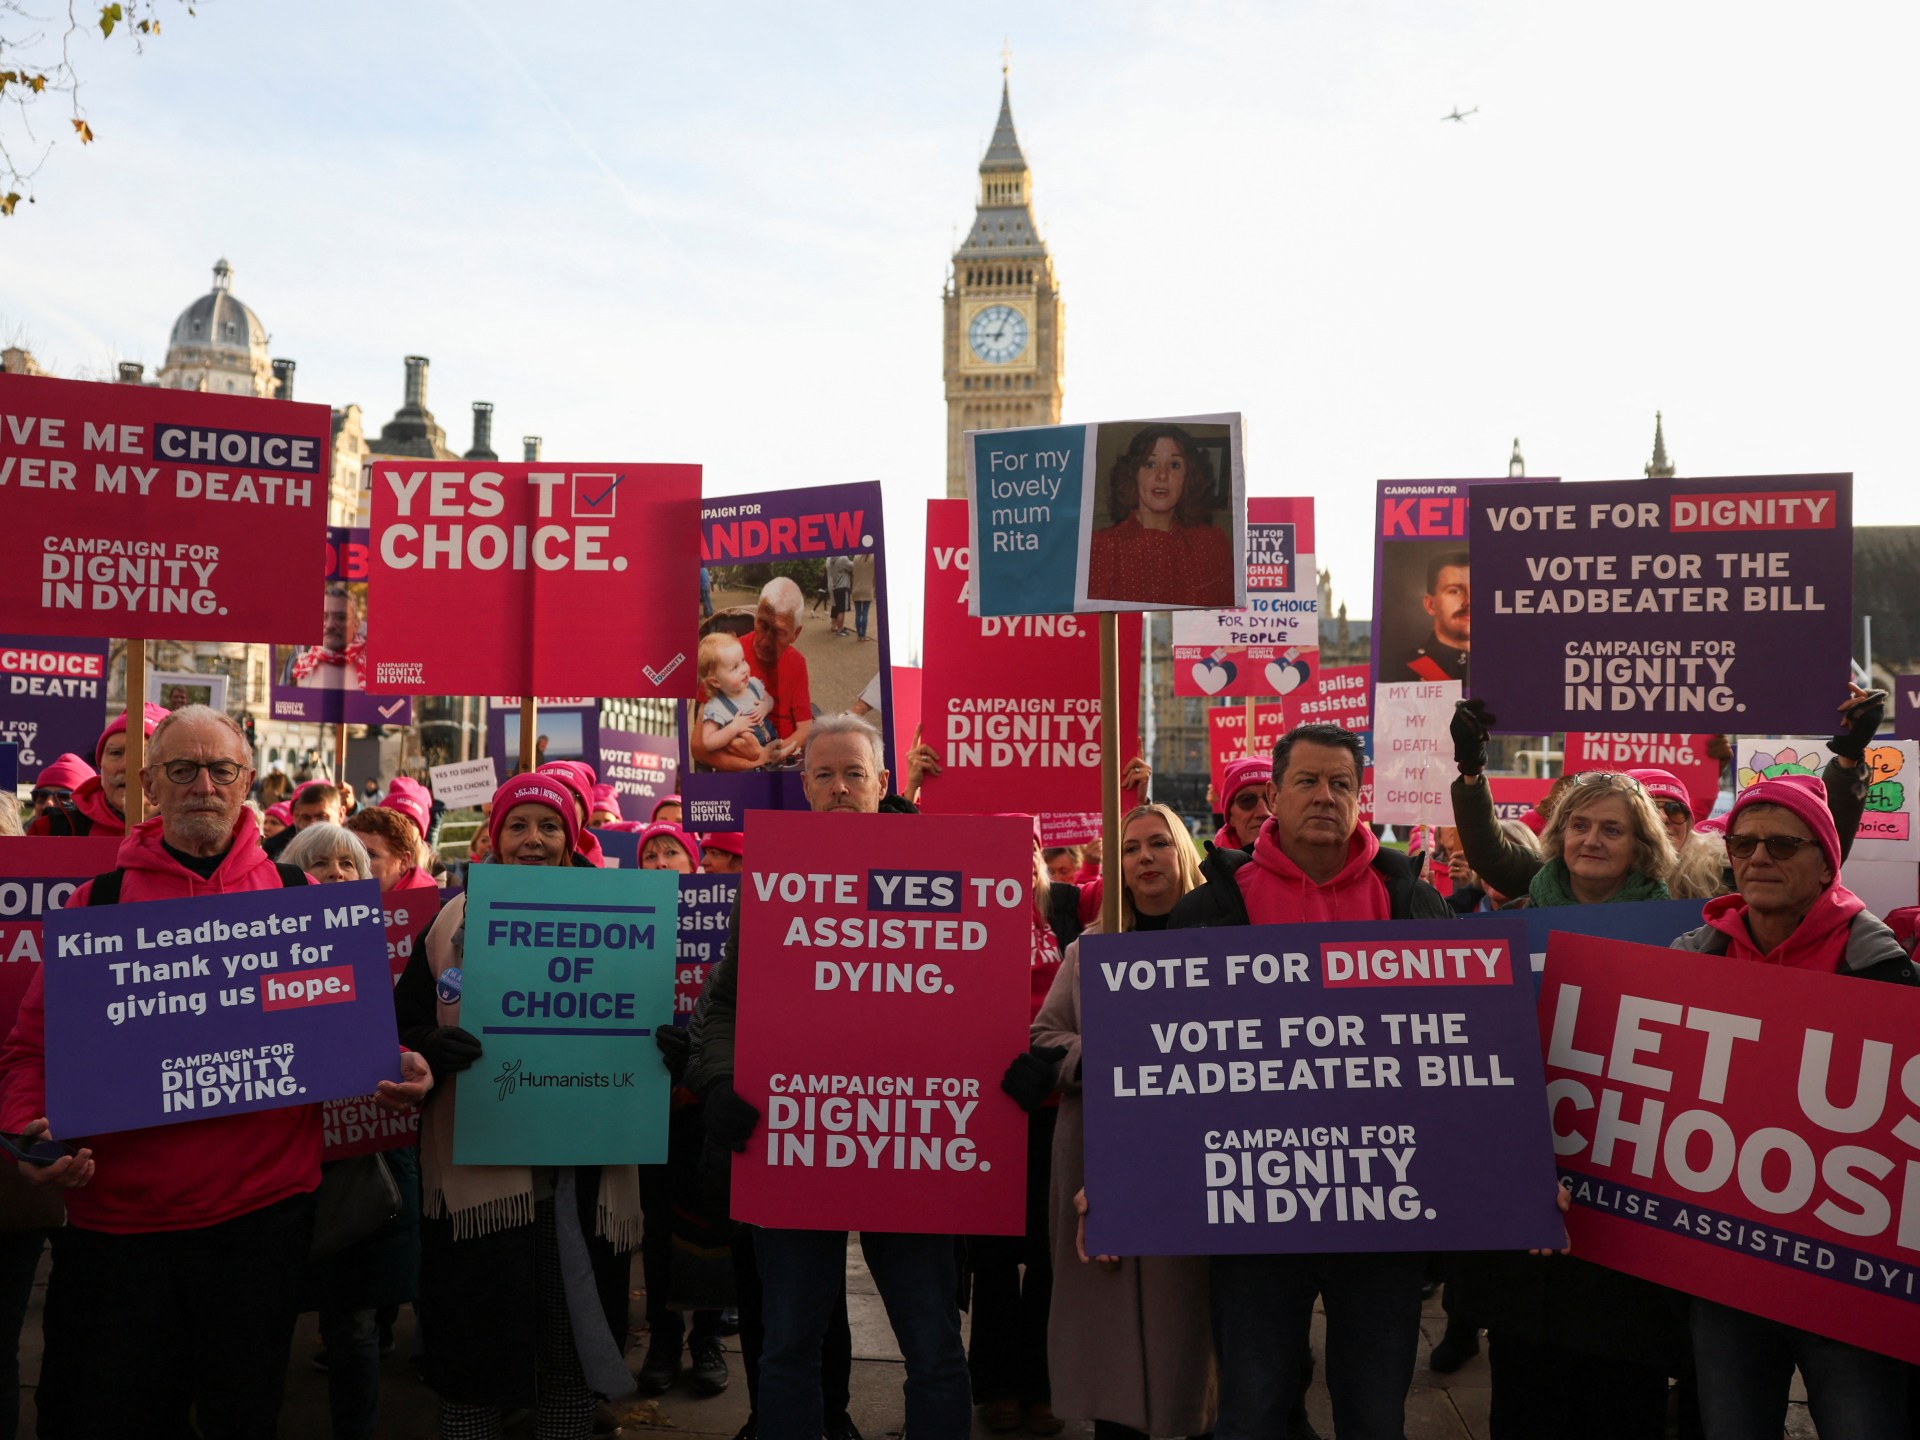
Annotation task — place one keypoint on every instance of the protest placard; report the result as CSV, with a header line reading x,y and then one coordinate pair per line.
x,y
1661,602
327,683
170,689
1741,1132
565,728
175,1010
1258,651
775,647
1890,823
643,769
1423,580
1684,757
1227,737
359,1126
1643,922
883,987
1515,796
9,766
1011,705
1413,756
619,849
1337,696
1279,1089
37,874
906,705
465,782
1906,707
705,903
56,689
569,576
406,915
567,973
157,514
1123,515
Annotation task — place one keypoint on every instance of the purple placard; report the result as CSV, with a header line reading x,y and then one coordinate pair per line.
x,y
1906,707
1422,583
561,732
641,768
326,683
1665,605
748,542
254,1001
56,697
620,847
1266,1091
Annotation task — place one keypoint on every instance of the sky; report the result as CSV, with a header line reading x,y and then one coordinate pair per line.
x,y
654,232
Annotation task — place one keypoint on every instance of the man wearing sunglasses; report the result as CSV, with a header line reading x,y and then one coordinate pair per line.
x,y
189,1237
1789,908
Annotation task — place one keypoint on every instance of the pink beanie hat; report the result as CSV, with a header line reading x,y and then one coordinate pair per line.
x,y
1806,798
153,713
1663,785
65,773
535,788
677,835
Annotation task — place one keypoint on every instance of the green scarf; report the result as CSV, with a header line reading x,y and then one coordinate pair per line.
x,y
1553,886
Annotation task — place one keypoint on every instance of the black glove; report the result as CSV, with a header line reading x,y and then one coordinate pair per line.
x,y
1033,1076
1471,726
730,1120
676,1048
1863,723
449,1050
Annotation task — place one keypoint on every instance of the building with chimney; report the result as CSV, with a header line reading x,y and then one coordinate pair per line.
x,y
1004,347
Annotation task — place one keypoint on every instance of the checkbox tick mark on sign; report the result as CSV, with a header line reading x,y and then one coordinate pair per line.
x,y
593,502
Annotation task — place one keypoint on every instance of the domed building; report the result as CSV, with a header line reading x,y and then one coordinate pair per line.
x,y
218,344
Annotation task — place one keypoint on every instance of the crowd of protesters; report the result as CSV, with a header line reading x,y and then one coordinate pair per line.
x,y
186,1251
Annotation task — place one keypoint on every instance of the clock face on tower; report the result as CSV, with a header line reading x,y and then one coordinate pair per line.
x,y
997,334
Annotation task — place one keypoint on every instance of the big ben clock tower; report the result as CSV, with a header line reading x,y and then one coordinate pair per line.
x,y
1005,339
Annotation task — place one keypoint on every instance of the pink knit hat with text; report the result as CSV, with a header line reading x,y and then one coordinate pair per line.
x,y
1663,785
578,778
1805,797
408,796
674,833
535,788
1247,770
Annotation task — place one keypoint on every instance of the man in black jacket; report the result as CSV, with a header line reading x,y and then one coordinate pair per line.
x,y
1313,862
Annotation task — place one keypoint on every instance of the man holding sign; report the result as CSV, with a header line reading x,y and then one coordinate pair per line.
x,y
189,1236
802,1269
1313,861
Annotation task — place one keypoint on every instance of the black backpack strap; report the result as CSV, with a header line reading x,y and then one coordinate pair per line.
x,y
291,875
105,889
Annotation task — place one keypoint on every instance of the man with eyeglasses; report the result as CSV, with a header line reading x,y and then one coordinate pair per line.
x,y
185,1239
1790,908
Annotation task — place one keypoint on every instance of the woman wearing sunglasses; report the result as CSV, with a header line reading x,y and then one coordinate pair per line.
x,y
1789,908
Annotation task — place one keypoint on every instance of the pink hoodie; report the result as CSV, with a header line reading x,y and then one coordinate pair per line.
x,y
1278,892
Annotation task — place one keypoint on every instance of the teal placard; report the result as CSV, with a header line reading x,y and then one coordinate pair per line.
x,y
566,974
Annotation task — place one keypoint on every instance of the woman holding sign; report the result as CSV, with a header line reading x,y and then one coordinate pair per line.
x,y
1128,1343
497,1300
1163,547
1574,1349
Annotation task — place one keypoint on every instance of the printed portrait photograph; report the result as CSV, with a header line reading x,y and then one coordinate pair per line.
x,y
782,644
1160,515
1423,625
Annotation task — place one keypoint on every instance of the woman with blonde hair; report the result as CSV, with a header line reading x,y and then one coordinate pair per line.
x,y
1128,1342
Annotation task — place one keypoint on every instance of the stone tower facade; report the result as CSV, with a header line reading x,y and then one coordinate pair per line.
x,y
1005,324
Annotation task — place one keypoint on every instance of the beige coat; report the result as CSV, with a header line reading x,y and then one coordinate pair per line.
x,y
1133,1345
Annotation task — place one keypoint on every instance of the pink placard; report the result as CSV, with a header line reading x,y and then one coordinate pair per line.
x,y
1011,704
159,514
1745,1132
1683,756
38,874
884,978
559,577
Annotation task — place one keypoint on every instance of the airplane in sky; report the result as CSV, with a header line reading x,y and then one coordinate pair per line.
x,y
1461,115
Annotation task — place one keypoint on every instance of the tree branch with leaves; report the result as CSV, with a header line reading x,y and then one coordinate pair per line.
x,y
37,61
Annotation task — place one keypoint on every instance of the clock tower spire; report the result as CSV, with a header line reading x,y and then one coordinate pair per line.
x,y
1005,341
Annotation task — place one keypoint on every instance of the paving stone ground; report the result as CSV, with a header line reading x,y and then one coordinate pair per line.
x,y
1440,1407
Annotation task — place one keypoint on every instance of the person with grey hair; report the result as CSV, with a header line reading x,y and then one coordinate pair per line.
x,y
776,664
190,1236
328,853
791,1280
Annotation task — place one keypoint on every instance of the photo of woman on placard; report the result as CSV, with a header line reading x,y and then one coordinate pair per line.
x,y
1162,546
